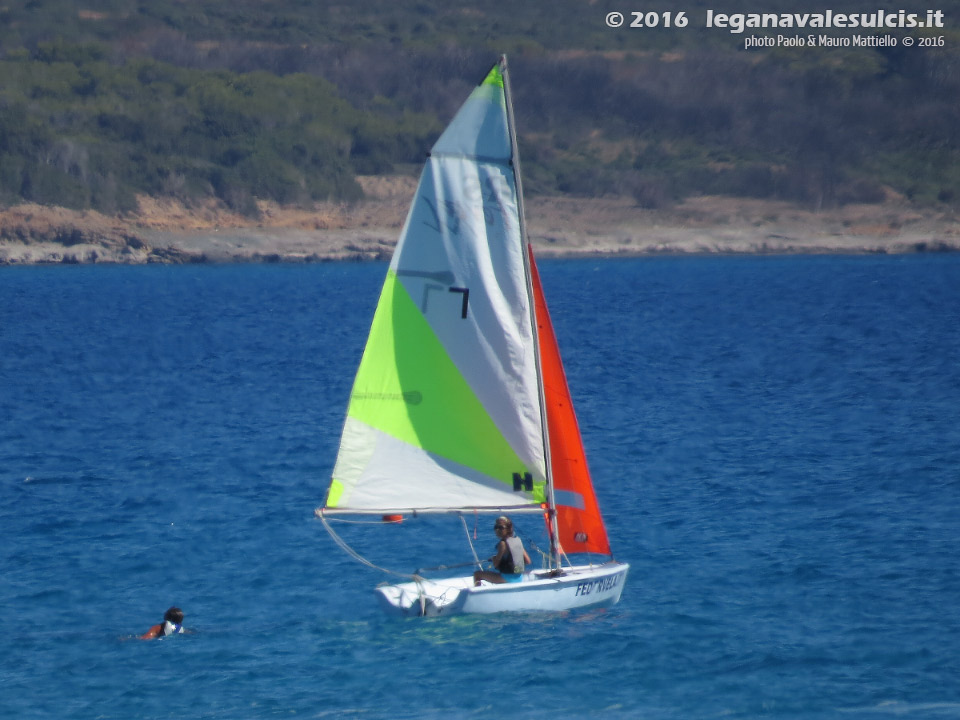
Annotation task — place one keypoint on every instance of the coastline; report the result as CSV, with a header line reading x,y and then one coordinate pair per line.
x,y
166,231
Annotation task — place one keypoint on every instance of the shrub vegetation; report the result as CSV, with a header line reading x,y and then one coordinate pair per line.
x,y
291,100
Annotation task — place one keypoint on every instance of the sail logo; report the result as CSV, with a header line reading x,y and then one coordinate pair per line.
x,y
522,482
599,586
450,216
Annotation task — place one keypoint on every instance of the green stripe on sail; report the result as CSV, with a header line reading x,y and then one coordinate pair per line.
x,y
494,77
408,387
335,493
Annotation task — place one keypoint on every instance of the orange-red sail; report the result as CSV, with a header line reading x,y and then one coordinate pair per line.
x,y
578,516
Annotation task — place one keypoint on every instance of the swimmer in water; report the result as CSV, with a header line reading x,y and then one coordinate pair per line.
x,y
172,625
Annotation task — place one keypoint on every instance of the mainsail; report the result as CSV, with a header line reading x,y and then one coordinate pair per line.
x,y
445,411
456,386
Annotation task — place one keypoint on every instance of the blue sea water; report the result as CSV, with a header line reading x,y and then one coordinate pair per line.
x,y
775,442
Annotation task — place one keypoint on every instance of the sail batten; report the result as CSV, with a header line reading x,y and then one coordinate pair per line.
x,y
486,160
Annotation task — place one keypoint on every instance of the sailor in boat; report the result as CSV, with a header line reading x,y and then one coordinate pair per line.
x,y
172,625
511,558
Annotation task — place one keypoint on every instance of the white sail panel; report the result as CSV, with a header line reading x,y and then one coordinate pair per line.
x,y
378,472
462,240
461,261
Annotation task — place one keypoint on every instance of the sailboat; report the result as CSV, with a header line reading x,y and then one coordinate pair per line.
x,y
460,404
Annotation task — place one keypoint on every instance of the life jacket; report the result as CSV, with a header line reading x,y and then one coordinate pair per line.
x,y
512,560
170,628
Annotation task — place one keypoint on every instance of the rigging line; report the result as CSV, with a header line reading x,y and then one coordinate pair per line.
x,y
476,559
546,557
357,556
420,571
536,548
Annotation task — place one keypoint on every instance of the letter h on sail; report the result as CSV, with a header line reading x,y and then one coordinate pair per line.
x,y
522,483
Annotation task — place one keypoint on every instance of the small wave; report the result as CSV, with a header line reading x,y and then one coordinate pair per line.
x,y
894,707
30,480
62,479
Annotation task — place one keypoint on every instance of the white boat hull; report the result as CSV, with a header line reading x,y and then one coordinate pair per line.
x,y
580,586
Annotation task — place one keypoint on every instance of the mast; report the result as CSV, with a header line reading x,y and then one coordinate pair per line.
x,y
525,247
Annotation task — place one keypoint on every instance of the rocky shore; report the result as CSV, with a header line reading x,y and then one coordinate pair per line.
x,y
166,231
